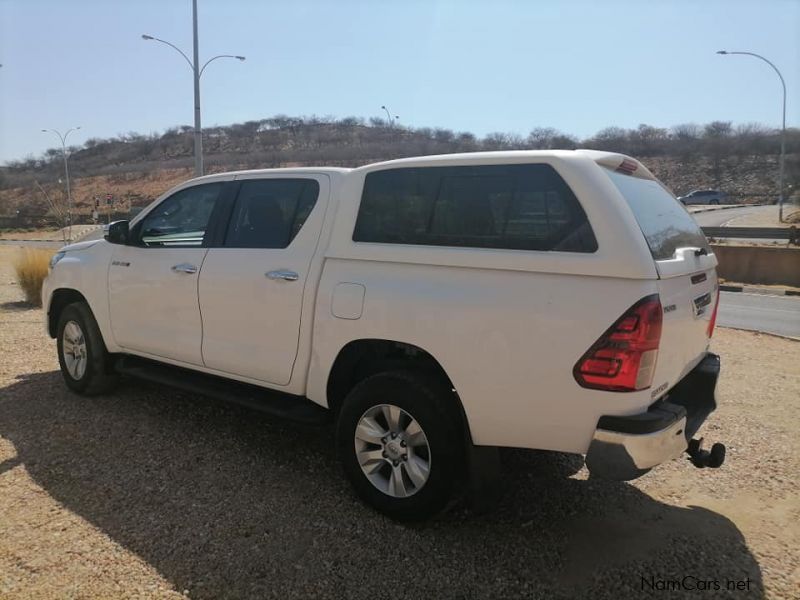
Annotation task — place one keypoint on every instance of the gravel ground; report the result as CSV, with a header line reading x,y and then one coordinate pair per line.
x,y
151,493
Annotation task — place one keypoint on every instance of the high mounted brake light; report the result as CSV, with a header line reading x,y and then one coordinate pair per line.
x,y
627,166
623,359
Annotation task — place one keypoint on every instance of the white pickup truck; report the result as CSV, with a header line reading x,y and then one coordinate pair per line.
x,y
431,307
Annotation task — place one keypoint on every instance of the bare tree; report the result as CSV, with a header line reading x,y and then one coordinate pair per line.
x,y
60,209
541,138
717,141
753,138
647,140
611,138
547,138
687,131
686,139
496,140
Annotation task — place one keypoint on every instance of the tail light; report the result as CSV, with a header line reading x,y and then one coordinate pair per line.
x,y
624,358
713,321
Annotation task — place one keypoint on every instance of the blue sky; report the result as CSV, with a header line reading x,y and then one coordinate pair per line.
x,y
469,66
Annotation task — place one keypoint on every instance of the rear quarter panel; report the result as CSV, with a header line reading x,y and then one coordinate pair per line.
x,y
508,340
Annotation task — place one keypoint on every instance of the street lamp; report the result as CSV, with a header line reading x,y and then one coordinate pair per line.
x,y
783,127
389,116
197,72
63,139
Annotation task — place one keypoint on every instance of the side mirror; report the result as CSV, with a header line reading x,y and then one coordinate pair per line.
x,y
117,233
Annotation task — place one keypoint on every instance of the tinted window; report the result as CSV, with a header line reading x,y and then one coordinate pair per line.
x,y
521,207
270,212
665,223
181,220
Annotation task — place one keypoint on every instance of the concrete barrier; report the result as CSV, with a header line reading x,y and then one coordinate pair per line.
x,y
759,264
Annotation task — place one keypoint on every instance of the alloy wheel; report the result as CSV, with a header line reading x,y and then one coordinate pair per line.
x,y
392,450
73,344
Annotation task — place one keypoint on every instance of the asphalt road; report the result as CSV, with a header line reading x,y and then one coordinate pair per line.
x,y
720,218
730,216
760,312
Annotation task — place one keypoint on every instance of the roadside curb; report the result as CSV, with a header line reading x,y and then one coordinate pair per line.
x,y
758,290
702,210
82,235
777,335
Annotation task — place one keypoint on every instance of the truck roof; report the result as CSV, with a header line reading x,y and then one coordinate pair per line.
x,y
279,170
612,160
468,157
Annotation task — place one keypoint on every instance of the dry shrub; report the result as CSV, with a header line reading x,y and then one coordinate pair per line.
x,y
31,268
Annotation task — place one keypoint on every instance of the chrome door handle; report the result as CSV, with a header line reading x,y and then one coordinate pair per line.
x,y
283,274
184,268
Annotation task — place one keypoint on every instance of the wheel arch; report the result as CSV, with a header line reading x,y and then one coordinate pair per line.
x,y
60,299
361,358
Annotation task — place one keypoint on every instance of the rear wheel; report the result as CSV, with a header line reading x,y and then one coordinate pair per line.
x,y
85,363
398,441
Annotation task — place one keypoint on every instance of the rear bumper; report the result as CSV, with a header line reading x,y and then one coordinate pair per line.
x,y
624,448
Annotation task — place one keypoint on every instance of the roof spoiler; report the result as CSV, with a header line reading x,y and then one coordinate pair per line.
x,y
619,163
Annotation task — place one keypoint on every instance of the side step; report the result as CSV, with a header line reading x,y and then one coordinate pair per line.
x,y
285,406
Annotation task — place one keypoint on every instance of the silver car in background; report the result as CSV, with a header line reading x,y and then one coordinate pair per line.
x,y
704,197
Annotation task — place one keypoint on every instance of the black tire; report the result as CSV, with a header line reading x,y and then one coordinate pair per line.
x,y
428,400
97,376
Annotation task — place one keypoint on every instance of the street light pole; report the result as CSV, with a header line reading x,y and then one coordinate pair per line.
x,y
198,132
63,139
783,127
389,116
197,71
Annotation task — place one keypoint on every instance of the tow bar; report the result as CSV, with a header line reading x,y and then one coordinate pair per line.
x,y
703,458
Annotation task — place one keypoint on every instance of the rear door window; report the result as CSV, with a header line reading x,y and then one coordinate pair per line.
x,y
665,223
269,213
516,207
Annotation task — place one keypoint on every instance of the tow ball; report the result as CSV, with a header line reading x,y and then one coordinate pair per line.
x,y
704,458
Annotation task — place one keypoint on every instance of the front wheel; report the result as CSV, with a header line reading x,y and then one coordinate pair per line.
x,y
85,363
398,440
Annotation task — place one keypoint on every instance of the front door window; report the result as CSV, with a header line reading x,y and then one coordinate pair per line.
x,y
182,219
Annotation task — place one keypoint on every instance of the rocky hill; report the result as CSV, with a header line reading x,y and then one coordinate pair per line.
x,y
135,168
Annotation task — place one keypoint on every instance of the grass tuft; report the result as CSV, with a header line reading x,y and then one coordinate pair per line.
x,y
31,267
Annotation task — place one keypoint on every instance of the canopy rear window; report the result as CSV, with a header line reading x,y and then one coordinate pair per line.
x,y
513,207
664,221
